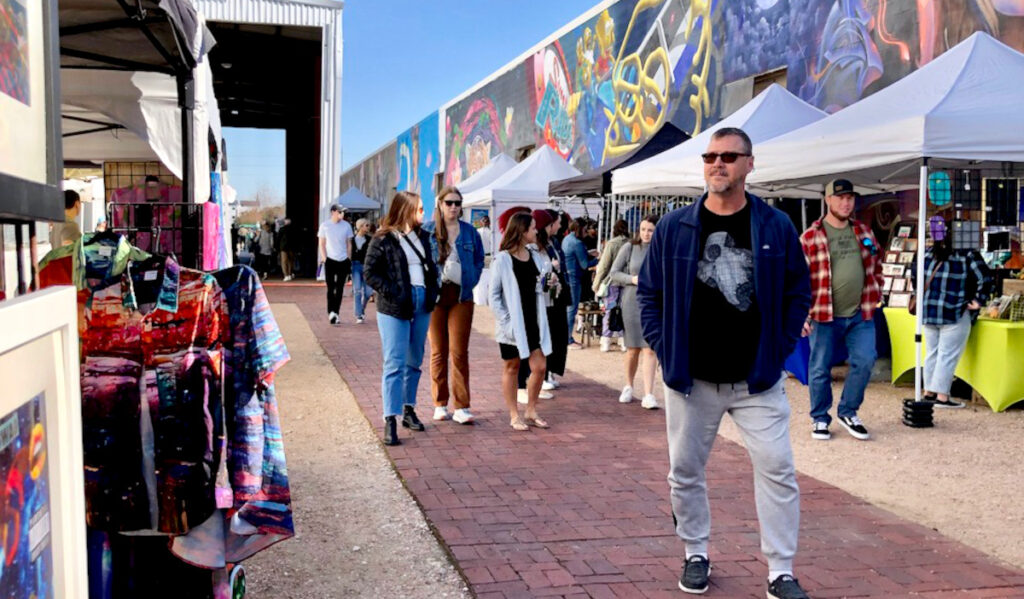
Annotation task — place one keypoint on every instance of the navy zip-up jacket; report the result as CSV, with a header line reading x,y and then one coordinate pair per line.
x,y
665,292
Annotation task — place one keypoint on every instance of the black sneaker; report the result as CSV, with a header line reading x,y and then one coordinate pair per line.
x,y
855,427
786,587
820,431
695,575
945,403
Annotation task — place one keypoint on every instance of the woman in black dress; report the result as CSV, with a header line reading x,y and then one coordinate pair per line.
x,y
518,298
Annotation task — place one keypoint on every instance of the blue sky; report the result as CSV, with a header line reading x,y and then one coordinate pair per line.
x,y
402,60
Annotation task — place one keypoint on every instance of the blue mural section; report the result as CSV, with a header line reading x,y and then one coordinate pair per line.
x,y
418,156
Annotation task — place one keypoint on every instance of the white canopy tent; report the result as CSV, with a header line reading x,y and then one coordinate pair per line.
x,y
962,109
525,183
679,171
128,115
353,200
498,166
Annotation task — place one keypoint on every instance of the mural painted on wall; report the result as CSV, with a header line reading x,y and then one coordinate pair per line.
x,y
601,90
419,157
374,176
605,87
839,51
492,120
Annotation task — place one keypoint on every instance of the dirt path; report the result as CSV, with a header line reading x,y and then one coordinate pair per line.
x,y
963,478
359,533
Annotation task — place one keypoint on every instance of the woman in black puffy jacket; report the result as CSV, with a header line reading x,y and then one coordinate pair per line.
x,y
400,268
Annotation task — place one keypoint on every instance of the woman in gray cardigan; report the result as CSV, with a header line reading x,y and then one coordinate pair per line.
x,y
520,280
624,272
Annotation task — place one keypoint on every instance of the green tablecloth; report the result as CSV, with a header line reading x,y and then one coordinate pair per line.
x,y
992,363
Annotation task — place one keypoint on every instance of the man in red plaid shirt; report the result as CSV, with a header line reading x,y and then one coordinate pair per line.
x,y
846,277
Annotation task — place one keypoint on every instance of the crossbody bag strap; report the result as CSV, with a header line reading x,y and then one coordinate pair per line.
x,y
423,258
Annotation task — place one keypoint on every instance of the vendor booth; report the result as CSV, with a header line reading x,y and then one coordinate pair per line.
x,y
354,201
958,115
679,171
525,184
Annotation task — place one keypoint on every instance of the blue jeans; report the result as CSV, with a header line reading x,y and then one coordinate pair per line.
x,y
945,344
360,290
859,336
576,292
402,343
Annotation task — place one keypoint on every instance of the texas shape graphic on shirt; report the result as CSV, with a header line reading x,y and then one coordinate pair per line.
x,y
728,269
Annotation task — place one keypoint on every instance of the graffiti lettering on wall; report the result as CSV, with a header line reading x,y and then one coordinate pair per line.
x,y
419,157
636,66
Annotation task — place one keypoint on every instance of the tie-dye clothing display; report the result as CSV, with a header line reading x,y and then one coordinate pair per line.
x,y
261,510
180,423
151,346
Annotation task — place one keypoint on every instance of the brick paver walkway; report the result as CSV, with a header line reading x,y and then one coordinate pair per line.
x,y
582,510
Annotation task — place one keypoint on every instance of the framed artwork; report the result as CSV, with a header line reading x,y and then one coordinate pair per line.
x,y
892,257
899,300
886,284
899,285
30,145
896,245
41,446
476,216
906,257
904,231
910,245
893,270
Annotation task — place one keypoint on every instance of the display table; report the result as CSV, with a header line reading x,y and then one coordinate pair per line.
x,y
991,362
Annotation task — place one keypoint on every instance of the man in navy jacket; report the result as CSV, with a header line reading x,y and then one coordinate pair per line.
x,y
723,296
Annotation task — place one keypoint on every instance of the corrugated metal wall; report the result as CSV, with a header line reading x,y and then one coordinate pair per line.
x,y
270,12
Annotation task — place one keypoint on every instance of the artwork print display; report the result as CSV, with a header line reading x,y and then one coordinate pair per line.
x,y
27,559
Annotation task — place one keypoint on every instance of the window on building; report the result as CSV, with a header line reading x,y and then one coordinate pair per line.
x,y
764,80
523,152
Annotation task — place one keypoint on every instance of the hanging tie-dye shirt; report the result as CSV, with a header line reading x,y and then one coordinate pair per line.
x,y
151,349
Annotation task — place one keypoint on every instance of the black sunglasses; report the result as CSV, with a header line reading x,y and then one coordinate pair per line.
x,y
453,202
727,157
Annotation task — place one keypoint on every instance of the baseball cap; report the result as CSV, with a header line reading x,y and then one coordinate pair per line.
x,y
839,186
337,208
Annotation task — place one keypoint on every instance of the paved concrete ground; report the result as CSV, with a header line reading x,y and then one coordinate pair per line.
x,y
582,509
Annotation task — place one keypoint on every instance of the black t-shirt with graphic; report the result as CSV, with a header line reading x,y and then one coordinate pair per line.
x,y
725,325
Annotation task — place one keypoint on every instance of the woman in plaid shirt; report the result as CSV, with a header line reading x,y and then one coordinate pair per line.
x,y
957,284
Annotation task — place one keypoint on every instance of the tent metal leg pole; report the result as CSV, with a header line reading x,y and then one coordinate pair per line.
x,y
803,214
922,219
187,102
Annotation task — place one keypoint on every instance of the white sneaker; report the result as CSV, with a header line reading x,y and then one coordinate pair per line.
x,y
333,317
521,396
548,386
622,344
463,416
554,383
649,403
440,413
606,344
545,395
359,320
627,394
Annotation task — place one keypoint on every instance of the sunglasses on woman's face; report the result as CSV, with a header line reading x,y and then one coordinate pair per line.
x,y
727,157
451,203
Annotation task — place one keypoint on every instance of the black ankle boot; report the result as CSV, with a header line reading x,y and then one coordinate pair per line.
x,y
410,421
391,431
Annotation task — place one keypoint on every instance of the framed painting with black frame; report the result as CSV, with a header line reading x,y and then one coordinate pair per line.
x,y
30,151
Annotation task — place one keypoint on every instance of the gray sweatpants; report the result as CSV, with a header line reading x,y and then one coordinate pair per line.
x,y
763,420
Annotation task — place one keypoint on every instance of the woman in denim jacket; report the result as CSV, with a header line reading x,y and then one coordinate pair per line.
x,y
459,255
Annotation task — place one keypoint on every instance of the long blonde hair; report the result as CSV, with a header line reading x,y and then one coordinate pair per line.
x,y
401,215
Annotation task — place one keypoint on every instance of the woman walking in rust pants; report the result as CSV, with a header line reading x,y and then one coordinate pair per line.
x,y
459,254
